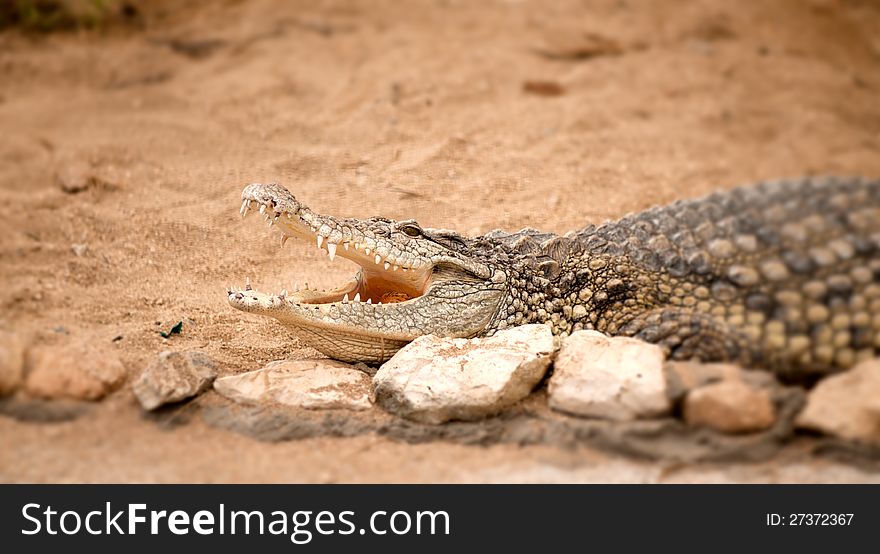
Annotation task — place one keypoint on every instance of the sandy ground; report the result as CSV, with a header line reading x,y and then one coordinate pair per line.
x,y
463,115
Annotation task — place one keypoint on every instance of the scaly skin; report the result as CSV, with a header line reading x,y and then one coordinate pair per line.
x,y
784,276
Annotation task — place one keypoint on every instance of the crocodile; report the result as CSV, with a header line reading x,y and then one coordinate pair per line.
x,y
782,275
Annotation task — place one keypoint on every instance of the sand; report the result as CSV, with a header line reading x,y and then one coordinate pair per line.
x,y
463,115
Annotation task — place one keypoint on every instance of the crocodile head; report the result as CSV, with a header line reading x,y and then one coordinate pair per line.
x,y
412,281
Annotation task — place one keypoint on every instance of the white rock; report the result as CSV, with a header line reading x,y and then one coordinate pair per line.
x,y
84,370
846,405
313,384
12,350
615,378
172,377
434,379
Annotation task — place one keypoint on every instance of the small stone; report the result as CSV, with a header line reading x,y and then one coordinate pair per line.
x,y
685,376
317,384
730,407
85,370
543,88
846,405
75,177
172,377
12,352
434,379
79,250
617,378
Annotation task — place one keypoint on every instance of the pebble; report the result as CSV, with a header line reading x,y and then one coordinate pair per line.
x,y
74,177
172,377
685,376
730,407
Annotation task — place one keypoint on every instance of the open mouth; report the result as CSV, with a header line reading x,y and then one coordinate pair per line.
x,y
384,277
407,284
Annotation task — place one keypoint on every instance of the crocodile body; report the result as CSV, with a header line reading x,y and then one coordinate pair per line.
x,y
782,275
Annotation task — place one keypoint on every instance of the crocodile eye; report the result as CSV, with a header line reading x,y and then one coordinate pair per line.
x,y
411,229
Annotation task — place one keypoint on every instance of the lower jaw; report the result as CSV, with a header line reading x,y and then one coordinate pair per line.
x,y
347,346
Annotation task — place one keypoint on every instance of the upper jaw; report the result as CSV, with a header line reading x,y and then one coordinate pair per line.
x,y
388,272
341,237
353,239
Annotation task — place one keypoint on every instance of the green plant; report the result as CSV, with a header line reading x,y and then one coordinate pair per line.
x,y
52,15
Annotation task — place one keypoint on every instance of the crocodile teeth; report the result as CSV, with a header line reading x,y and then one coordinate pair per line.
x,y
283,293
284,239
357,297
345,298
369,300
320,240
271,222
395,268
357,245
247,284
331,250
378,258
245,205
345,245
367,251
262,209
387,265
